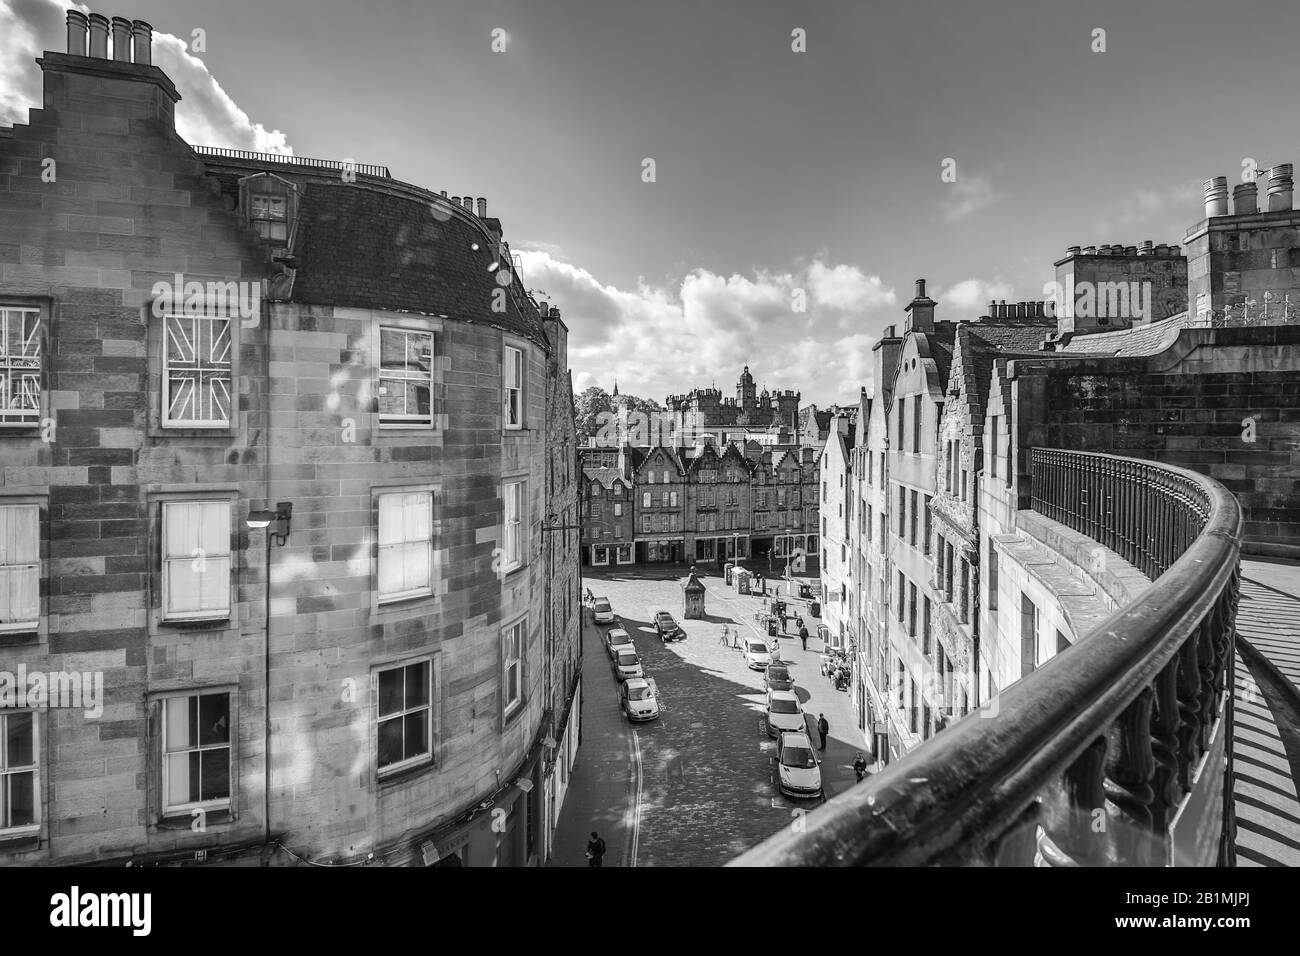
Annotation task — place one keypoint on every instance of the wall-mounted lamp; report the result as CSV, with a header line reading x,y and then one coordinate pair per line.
x,y
282,516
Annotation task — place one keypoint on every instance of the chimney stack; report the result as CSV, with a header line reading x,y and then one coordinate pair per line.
x,y
1245,199
1279,188
482,208
122,39
1216,197
142,37
99,36
78,26
1146,247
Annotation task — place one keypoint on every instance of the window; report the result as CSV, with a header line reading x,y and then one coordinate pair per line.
x,y
925,543
268,208
901,597
196,751
994,423
916,424
405,717
20,568
665,477
870,521
512,668
515,521
595,509
902,511
405,545
964,482
913,522
993,576
19,758
672,499
911,610
925,628
1028,635
20,367
196,371
196,560
902,422
618,509
665,499
405,378
645,499
512,383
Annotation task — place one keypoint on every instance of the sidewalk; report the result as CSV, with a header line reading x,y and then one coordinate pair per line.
x,y
603,781
1266,733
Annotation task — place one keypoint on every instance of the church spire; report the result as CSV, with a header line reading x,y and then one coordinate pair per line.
x,y
615,395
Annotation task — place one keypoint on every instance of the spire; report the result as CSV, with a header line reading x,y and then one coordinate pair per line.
x,y
615,395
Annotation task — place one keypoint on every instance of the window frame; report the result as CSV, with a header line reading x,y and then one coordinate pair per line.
x,y
420,760
508,346
389,422
232,737
512,708
522,534
18,503
165,616
380,494
35,769
32,420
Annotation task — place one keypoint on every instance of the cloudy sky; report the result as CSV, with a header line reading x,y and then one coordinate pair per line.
x,y
779,176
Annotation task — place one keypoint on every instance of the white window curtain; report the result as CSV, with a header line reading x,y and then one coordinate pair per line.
x,y
20,567
514,524
513,383
196,560
405,545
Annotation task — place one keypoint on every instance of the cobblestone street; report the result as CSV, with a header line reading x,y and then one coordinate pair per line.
x,y
699,784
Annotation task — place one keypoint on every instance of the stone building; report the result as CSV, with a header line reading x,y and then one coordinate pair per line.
x,y
837,507
749,408
282,458
608,529
964,588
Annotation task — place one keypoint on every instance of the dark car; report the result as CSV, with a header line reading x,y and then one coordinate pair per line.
x,y
778,677
668,629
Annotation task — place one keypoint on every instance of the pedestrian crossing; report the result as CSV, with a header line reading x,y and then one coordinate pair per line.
x,y
1264,787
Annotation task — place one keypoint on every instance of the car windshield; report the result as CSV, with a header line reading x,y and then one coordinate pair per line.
x,y
758,648
640,693
784,707
627,657
619,637
664,617
777,672
602,605
799,757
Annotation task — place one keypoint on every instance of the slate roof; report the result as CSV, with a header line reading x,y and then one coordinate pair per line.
x,y
1148,339
604,476
978,345
391,246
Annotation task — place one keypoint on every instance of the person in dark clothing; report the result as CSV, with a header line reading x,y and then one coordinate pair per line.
x,y
860,766
595,850
803,636
823,728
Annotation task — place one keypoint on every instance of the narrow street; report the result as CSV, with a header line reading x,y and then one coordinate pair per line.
x,y
698,786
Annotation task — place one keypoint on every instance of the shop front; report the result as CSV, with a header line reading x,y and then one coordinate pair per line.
x,y
661,551
724,547
603,555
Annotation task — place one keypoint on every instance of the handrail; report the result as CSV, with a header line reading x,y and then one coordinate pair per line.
x,y
225,152
1111,729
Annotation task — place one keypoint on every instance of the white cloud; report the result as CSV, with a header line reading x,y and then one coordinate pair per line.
x,y
1157,209
205,116
967,195
656,340
975,294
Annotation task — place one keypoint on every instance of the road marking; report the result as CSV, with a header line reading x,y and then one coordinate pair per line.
x,y
636,804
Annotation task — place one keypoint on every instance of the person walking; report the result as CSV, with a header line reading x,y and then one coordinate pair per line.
x,y
860,766
595,850
803,636
823,728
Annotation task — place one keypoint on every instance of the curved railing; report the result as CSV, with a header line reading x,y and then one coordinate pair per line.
x,y
1085,760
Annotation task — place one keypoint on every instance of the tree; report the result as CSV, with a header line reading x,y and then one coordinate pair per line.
x,y
590,403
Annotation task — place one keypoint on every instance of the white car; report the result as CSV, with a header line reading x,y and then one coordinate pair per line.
x,y
784,713
639,698
617,639
757,654
602,612
627,664
800,774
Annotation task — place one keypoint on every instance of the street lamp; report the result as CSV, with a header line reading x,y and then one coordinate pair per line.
x,y
282,516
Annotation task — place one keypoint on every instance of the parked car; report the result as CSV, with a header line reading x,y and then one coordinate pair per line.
x,y
777,677
627,663
617,639
602,611
757,654
669,630
799,773
639,698
784,713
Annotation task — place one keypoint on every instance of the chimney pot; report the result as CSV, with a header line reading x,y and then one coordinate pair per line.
x,y
98,36
1089,250
455,200
142,41
1245,199
78,26
122,39
1216,197
468,202
1280,187
1073,251
920,288
993,308
1175,250
444,194
1145,247
482,208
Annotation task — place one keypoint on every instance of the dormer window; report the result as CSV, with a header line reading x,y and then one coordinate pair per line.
x,y
271,204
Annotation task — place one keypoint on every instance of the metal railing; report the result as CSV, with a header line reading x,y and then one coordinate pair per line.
x,y
364,169
1085,760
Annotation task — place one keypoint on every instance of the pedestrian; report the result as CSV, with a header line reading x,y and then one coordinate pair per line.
x,y
726,635
803,636
823,728
595,849
860,766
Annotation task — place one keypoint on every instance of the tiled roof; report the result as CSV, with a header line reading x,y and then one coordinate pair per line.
x,y
979,345
605,476
1148,339
368,246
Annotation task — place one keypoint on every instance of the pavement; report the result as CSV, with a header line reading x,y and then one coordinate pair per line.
x,y
698,786
1266,732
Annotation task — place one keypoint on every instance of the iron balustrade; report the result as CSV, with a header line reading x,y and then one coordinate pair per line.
x,y
1085,760
365,169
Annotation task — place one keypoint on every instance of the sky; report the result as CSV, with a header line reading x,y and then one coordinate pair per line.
x,y
781,178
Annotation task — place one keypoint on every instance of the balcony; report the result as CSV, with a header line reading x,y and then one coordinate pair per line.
x,y
1114,728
